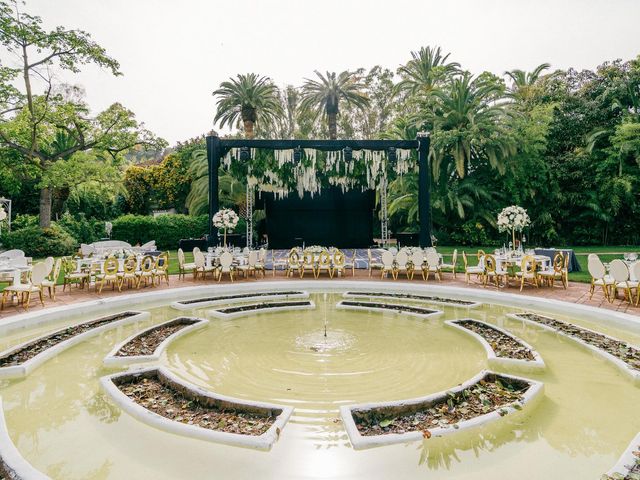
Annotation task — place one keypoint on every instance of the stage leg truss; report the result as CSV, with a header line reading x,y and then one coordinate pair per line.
x,y
384,212
249,214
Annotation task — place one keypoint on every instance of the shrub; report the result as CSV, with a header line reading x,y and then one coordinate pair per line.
x,y
82,229
166,230
23,221
40,242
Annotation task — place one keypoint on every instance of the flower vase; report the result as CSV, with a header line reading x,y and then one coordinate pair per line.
x,y
513,235
225,238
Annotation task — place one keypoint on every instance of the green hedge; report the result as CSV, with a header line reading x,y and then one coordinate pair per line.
x,y
166,230
40,242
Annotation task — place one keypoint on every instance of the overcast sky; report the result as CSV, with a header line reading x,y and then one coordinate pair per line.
x,y
175,53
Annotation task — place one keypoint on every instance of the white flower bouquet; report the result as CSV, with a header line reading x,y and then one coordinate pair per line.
x,y
513,219
3,214
226,219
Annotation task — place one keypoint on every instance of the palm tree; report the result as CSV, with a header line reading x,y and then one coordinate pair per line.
x,y
521,82
324,96
231,191
469,125
427,68
248,98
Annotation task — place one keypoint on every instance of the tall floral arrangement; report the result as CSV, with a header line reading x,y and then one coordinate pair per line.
x,y
513,219
225,219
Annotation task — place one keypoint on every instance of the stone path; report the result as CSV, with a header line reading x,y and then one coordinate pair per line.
x,y
576,293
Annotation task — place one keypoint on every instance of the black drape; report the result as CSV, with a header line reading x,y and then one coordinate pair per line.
x,y
331,218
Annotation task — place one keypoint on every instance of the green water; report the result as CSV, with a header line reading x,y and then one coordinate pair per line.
x,y
64,424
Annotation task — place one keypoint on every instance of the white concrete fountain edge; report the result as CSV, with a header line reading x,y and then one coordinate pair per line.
x,y
113,360
535,365
634,375
360,442
248,298
22,370
161,297
11,457
260,442
627,460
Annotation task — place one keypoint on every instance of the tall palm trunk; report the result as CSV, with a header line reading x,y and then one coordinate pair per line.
x,y
333,125
45,207
248,128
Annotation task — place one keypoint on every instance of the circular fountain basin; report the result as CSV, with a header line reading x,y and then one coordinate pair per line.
x,y
315,361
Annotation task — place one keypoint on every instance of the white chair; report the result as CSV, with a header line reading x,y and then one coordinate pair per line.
x,y
201,266
620,273
471,270
599,276
387,264
38,275
147,247
262,261
184,267
87,250
350,264
635,280
281,263
402,264
372,265
417,263
451,266
433,264
250,266
226,266
52,280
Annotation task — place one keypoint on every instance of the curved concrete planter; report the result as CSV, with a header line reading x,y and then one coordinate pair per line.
x,y
458,303
634,375
113,359
494,361
393,308
239,298
23,369
12,464
260,442
359,441
262,308
627,461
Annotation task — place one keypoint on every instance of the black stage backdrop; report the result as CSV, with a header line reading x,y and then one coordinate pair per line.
x,y
331,218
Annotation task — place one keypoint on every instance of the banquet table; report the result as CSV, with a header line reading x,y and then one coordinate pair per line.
x,y
504,261
574,266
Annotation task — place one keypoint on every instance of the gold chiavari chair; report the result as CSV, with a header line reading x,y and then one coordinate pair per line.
x,y
161,268
528,271
129,273
492,272
108,275
324,264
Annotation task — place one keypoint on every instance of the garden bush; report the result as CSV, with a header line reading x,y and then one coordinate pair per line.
x,y
82,229
40,242
166,230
